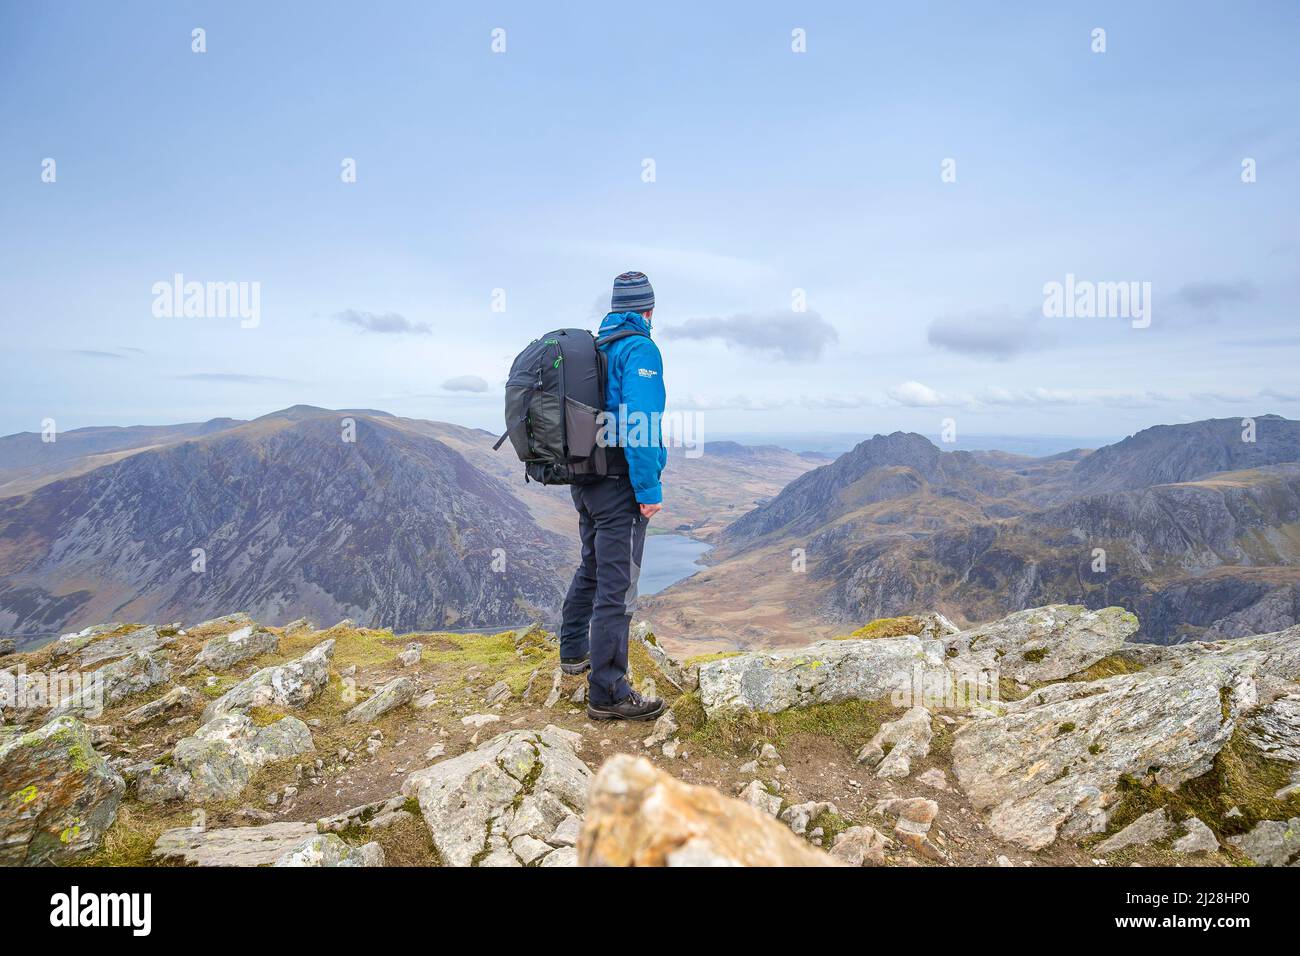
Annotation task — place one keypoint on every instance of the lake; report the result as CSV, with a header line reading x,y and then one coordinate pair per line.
x,y
667,559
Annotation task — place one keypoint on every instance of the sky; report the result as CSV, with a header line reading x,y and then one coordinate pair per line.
x,y
855,238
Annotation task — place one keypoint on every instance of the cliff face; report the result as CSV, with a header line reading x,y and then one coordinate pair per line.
x,y
293,520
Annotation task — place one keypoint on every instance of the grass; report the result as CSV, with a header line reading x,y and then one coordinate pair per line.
x,y
129,841
507,656
641,665
849,724
1111,665
886,627
699,659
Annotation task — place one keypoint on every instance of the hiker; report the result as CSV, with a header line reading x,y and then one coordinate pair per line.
x,y
614,509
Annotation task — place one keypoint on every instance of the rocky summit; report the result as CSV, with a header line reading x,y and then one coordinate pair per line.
x,y
1044,737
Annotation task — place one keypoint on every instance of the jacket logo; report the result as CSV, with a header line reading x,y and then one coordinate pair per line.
x,y
646,372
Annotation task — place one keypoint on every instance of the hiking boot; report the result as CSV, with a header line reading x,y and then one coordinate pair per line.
x,y
631,707
575,665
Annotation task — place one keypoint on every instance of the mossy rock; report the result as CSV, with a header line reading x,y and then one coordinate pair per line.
x,y
886,627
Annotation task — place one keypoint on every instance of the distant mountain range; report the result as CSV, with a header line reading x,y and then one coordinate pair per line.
x,y
1192,527
412,525
419,524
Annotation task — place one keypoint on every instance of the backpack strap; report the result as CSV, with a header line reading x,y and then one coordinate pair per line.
x,y
615,336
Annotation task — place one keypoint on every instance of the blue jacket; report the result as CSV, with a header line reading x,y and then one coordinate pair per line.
x,y
634,396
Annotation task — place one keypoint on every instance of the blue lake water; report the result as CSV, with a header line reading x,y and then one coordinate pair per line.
x,y
667,559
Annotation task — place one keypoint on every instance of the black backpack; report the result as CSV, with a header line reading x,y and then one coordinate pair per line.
x,y
555,392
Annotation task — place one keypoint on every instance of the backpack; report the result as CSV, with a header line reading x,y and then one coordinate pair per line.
x,y
554,397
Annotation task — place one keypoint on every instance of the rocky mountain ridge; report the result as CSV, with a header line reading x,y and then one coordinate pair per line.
x,y
1046,737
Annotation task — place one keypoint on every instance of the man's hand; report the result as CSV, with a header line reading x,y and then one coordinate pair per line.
x,y
649,511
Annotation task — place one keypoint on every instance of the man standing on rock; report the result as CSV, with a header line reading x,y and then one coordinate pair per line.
x,y
614,509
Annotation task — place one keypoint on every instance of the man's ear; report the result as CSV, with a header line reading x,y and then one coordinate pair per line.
x,y
647,315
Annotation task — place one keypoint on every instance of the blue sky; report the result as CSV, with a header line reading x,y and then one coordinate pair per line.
x,y
774,171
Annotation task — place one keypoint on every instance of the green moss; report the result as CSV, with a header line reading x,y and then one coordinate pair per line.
x,y
688,711
1094,749
1065,728
699,659
641,665
265,716
1110,666
849,723
1240,777
832,825
495,654
1036,655
886,627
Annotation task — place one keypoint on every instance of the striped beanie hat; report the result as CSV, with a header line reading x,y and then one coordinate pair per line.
x,y
632,293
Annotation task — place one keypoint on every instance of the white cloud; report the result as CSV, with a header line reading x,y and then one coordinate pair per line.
x,y
916,395
387,323
466,383
790,336
995,334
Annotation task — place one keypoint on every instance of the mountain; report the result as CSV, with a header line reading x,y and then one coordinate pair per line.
x,y
1175,453
393,527
1199,530
396,529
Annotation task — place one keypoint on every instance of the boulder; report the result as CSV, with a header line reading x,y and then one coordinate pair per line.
x,y
360,816
219,760
798,816
1045,643
907,738
60,795
328,849
640,816
759,797
102,688
233,846
1054,761
226,650
913,817
522,783
861,846
142,640
69,644
8,646
937,668
228,622
1271,842
1275,729
178,698
823,673
393,694
294,684
1147,828
1197,838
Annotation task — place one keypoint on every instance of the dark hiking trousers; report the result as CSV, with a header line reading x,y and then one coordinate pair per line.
x,y
603,593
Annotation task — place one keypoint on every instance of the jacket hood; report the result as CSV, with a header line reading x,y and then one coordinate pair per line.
x,y
615,321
